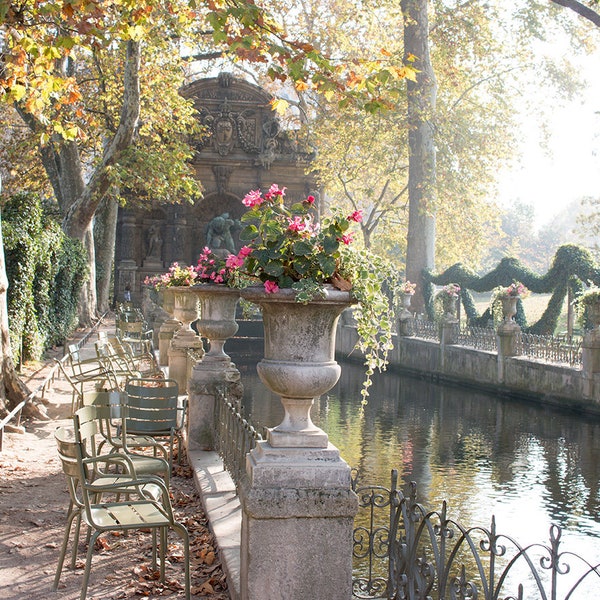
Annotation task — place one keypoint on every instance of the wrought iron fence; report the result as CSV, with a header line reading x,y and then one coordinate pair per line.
x,y
235,435
561,350
427,330
402,551
553,349
479,338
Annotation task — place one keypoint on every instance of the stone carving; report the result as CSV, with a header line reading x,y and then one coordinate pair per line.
x,y
224,130
153,243
222,175
219,236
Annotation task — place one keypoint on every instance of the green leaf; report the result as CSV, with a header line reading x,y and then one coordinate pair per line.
x,y
248,233
303,248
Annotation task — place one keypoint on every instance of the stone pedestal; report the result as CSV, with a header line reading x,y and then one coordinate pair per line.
x,y
165,335
507,336
179,347
208,379
448,330
297,520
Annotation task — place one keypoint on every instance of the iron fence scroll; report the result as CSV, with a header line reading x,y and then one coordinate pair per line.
x,y
404,552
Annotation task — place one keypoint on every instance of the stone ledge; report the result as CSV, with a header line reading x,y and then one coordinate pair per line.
x,y
222,507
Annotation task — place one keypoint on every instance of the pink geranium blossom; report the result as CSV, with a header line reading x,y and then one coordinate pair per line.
x,y
346,239
297,224
310,200
253,198
271,287
356,216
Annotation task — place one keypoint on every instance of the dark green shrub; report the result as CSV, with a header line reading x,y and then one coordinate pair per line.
x,y
45,272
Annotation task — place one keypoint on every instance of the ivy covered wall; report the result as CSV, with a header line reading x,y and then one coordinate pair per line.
x,y
45,272
572,267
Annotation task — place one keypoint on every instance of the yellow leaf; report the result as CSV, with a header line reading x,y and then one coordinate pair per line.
x,y
329,95
135,32
18,91
301,86
280,106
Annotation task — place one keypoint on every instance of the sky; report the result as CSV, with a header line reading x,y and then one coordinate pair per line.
x,y
569,167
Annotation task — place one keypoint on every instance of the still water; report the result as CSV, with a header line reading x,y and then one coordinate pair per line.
x,y
529,466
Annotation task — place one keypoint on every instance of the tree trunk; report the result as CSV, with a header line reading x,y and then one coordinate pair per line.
x,y
79,199
105,229
421,101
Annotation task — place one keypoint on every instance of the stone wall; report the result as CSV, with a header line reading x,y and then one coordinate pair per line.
x,y
542,382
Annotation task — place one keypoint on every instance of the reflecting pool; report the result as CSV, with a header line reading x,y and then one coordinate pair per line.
x,y
529,466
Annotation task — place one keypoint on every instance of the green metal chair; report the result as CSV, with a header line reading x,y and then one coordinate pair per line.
x,y
155,409
147,504
80,373
114,405
93,424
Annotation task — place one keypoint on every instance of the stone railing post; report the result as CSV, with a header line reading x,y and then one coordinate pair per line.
x,y
590,355
507,338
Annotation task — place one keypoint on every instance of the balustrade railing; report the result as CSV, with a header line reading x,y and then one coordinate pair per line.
x,y
403,551
235,435
561,350
552,349
427,330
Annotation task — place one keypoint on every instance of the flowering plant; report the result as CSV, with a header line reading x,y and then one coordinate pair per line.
x,y
515,289
175,276
408,288
288,248
209,269
451,290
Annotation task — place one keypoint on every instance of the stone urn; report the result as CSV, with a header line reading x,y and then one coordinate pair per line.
x,y
509,308
217,317
299,358
185,309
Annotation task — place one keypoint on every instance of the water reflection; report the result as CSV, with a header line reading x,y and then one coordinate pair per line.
x,y
485,455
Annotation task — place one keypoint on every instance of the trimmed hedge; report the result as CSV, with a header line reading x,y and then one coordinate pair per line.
x,y
572,266
46,271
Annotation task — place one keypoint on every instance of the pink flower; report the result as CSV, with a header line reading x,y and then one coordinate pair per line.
x,y
245,251
271,287
275,191
346,239
297,224
356,216
310,200
234,262
253,198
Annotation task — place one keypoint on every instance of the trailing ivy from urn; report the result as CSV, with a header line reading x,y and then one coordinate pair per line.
x,y
572,267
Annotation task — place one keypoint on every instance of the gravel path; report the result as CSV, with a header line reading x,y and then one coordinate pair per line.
x,y
33,505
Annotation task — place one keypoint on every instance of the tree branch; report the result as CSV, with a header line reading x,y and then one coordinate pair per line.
x,y
581,10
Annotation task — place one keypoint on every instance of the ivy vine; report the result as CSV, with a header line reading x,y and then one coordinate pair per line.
x,y
571,268
45,271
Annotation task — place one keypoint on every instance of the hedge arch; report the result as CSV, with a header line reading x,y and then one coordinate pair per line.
x,y
572,267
